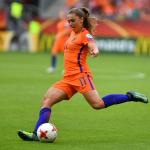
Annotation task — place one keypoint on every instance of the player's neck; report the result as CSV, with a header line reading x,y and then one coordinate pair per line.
x,y
78,31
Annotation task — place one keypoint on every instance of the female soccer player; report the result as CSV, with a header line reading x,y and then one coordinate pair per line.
x,y
77,76
63,32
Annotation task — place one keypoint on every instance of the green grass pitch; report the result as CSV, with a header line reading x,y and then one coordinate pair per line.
x,y
24,80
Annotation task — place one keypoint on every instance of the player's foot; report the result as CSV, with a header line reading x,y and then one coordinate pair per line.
x,y
51,70
137,97
27,136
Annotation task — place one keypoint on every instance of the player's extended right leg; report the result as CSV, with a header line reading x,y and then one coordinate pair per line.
x,y
27,136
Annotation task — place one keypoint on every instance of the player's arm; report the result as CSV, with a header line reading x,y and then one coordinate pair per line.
x,y
93,49
63,33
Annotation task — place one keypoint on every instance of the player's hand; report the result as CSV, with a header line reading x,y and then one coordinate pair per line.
x,y
94,52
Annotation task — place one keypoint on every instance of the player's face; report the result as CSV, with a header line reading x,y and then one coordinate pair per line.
x,y
75,22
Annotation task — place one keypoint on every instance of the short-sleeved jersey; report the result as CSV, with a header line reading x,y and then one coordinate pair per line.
x,y
76,51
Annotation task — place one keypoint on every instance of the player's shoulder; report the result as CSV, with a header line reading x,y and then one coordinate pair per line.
x,y
84,31
87,34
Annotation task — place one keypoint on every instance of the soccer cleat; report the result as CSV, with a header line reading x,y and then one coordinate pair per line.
x,y
51,70
137,97
27,136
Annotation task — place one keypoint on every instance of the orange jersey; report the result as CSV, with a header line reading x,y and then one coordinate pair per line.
x,y
63,32
77,76
62,25
76,51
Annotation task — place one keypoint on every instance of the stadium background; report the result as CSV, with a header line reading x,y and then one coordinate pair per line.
x,y
24,80
123,25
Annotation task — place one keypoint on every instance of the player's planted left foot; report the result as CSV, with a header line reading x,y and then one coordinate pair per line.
x,y
51,70
137,97
27,136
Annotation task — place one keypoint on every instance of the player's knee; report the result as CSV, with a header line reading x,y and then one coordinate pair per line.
x,y
47,101
97,106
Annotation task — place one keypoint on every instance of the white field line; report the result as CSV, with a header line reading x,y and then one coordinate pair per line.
x,y
119,75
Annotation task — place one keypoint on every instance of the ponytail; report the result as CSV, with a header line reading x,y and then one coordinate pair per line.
x,y
86,22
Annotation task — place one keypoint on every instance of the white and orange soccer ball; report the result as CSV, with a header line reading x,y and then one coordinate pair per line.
x,y
47,132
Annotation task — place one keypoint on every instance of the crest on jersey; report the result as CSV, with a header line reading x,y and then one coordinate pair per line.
x,y
89,36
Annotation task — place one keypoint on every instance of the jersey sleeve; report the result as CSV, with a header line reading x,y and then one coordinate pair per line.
x,y
86,37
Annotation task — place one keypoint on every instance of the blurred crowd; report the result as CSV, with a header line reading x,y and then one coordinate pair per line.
x,y
19,17
115,9
22,16
110,9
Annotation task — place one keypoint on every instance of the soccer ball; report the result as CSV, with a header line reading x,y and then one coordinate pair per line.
x,y
47,132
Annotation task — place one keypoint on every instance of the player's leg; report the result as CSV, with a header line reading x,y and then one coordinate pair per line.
x,y
112,99
93,98
60,91
53,57
96,102
52,96
57,47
